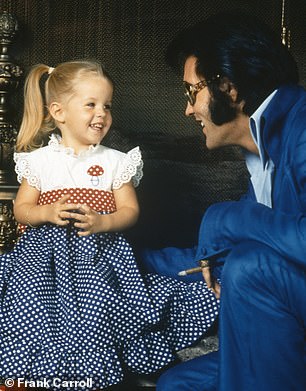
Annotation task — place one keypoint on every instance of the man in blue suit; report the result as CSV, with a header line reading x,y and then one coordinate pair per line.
x,y
242,87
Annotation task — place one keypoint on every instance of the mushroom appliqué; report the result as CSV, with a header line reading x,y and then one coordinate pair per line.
x,y
95,172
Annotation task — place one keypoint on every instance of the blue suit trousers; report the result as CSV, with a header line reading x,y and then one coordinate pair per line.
x,y
261,329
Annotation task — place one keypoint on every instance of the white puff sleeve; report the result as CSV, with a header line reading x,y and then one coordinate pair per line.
x,y
25,168
129,169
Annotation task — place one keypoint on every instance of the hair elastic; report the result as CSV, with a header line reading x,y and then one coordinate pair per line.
x,y
50,70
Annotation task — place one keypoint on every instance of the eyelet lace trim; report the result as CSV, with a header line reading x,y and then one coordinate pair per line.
x,y
23,170
131,170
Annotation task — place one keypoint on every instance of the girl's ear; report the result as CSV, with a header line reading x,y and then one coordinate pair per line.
x,y
57,112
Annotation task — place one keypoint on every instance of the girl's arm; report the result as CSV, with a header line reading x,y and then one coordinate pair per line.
x,y
125,216
27,212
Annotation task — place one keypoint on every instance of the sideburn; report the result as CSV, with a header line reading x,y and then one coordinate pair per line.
x,y
221,108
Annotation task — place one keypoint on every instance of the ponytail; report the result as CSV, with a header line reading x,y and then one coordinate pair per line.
x,y
36,122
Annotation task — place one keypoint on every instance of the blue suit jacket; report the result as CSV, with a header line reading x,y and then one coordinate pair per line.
x,y
282,227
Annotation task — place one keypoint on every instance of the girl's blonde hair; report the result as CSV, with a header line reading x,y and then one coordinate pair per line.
x,y
37,123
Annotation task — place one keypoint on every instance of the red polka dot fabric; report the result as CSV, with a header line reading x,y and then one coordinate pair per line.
x,y
98,200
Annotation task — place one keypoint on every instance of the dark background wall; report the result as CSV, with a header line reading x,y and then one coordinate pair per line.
x,y
181,177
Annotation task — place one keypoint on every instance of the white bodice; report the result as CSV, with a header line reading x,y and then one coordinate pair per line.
x,y
56,167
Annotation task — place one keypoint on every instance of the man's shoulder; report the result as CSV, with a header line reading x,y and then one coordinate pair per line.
x,y
294,95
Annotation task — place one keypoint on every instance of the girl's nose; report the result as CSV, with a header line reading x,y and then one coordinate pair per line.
x,y
100,112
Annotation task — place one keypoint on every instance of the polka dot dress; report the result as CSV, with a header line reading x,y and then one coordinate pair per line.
x,y
76,307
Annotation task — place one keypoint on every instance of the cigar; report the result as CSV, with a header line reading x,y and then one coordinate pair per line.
x,y
190,271
203,262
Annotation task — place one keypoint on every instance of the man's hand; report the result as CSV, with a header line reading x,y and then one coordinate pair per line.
x,y
210,281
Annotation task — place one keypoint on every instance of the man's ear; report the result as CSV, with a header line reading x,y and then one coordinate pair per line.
x,y
233,93
228,87
57,112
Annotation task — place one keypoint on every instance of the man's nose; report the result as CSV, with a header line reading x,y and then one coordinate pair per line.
x,y
189,110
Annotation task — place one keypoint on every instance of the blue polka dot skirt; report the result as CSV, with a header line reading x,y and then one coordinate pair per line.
x,y
77,307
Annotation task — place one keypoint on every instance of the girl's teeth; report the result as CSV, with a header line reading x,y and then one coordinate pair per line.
x,y
98,126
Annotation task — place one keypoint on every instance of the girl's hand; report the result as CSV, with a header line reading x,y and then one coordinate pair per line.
x,y
60,211
88,220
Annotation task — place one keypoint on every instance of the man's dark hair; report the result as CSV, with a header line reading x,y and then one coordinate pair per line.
x,y
239,48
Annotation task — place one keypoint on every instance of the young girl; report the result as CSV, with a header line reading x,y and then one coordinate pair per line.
x,y
73,304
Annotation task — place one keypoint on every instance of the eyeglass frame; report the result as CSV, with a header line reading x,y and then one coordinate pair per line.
x,y
191,90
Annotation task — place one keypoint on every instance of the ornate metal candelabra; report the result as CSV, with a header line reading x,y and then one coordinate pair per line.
x,y
9,80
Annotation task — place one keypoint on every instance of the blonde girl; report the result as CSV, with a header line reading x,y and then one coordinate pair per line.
x,y
73,305
78,103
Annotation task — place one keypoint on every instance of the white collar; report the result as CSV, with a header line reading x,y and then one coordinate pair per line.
x,y
255,126
55,144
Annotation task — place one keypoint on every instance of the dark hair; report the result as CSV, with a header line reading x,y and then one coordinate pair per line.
x,y
239,48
